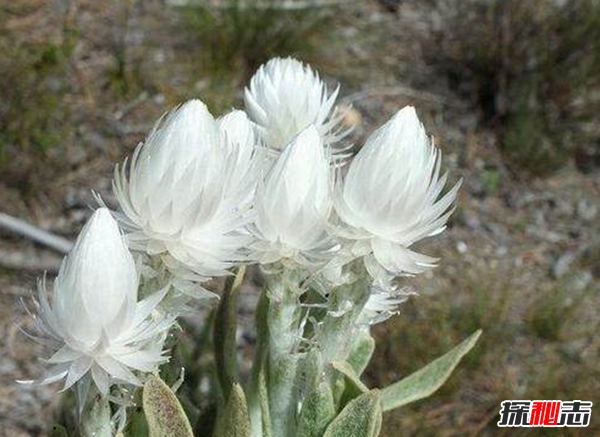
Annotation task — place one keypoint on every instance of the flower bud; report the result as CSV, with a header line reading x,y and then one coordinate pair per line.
x,y
391,196
96,324
183,197
285,97
294,202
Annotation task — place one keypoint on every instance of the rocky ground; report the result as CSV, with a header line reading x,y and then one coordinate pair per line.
x,y
521,257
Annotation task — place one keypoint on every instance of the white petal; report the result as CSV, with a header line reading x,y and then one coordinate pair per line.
x,y
286,96
101,379
64,355
400,260
117,370
76,371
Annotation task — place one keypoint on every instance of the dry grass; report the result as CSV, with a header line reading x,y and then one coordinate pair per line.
x,y
130,63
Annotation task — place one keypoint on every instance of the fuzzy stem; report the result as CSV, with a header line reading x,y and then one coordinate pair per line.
x,y
96,420
259,363
284,325
339,329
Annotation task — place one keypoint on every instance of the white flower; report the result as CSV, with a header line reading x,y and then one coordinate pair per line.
x,y
185,197
246,156
294,203
96,325
390,197
284,97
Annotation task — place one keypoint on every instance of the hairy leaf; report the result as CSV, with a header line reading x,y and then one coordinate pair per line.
x,y
352,379
360,418
361,353
352,385
235,419
164,413
427,380
318,410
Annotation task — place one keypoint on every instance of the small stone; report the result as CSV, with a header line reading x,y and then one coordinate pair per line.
x,y
587,210
561,267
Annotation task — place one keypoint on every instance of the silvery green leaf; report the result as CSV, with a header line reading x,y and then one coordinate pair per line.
x,y
352,379
427,380
336,333
352,385
361,353
360,418
235,419
164,413
318,410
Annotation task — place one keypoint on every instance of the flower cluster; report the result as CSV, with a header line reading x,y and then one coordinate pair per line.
x,y
274,186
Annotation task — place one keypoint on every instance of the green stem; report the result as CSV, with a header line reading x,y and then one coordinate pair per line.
x,y
225,333
338,332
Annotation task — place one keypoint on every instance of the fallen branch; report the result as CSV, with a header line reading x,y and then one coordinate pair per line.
x,y
288,5
34,233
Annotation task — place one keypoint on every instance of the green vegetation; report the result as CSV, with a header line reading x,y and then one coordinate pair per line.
x,y
32,111
533,69
235,35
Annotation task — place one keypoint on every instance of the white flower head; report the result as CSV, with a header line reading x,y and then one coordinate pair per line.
x,y
185,196
96,325
243,151
391,196
285,96
294,202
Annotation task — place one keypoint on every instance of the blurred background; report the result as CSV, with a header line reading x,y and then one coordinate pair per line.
x,y
509,88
